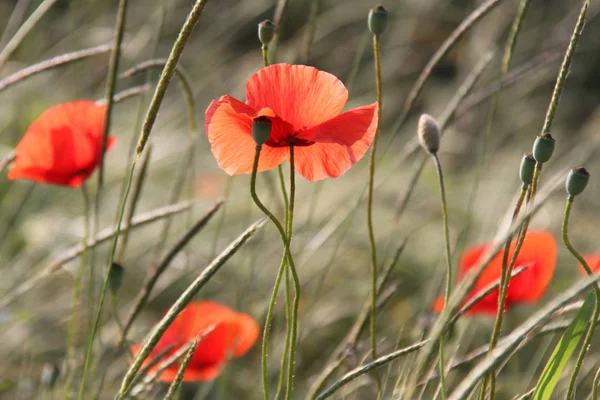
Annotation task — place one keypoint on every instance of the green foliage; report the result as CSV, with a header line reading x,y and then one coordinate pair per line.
x,y
564,350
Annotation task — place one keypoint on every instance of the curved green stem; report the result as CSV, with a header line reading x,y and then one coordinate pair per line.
x,y
590,331
376,55
295,279
288,256
288,333
267,328
438,167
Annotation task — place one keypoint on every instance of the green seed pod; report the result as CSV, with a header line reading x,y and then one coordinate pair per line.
x,y
577,180
115,278
261,130
543,147
266,31
378,20
50,374
527,167
428,132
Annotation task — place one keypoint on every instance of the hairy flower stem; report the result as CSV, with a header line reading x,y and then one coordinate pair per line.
x,y
72,329
438,167
288,333
282,267
285,265
503,290
376,55
296,280
590,331
265,54
287,256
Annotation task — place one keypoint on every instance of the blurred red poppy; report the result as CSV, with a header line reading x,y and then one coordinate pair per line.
x,y
304,106
232,335
593,261
63,146
538,254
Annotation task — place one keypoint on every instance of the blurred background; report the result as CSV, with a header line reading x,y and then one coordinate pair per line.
x,y
39,224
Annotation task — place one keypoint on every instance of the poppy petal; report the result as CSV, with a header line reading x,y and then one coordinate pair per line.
x,y
539,255
438,305
339,143
593,261
229,132
62,146
248,332
302,96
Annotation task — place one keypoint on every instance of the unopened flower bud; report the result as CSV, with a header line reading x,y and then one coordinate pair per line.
x,y
378,20
527,168
543,147
261,130
428,131
577,180
50,374
115,278
266,31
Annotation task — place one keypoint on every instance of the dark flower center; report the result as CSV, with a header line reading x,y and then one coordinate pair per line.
x,y
288,140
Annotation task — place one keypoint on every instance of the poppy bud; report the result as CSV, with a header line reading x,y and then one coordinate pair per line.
x,y
266,31
115,278
543,147
261,130
527,167
428,131
50,374
378,19
577,180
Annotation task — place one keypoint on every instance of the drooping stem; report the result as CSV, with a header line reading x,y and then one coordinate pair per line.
x,y
376,55
590,331
72,329
438,167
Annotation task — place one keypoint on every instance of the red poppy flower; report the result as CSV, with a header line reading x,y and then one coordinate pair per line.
x,y
593,261
538,254
62,146
304,105
233,335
